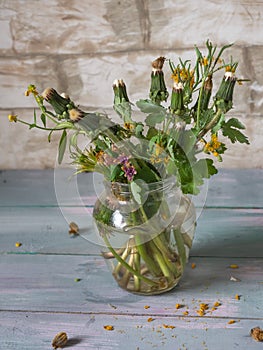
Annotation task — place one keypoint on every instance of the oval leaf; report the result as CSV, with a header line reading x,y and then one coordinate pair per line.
x,y
62,146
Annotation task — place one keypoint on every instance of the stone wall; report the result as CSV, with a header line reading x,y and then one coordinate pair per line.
x,y
81,46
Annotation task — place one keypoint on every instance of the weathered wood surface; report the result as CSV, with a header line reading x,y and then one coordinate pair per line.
x,y
233,188
130,332
39,296
25,331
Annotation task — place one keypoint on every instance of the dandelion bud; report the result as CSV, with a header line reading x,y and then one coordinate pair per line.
x,y
121,101
177,99
64,95
206,94
226,89
120,92
58,102
158,91
158,63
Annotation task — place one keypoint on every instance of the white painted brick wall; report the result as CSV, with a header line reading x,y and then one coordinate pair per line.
x,y
81,46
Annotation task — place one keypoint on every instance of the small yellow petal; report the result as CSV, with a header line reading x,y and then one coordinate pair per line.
x,y
231,321
217,303
234,266
18,244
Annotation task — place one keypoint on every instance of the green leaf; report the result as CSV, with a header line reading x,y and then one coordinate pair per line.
x,y
115,171
124,110
31,126
235,123
62,146
74,140
136,191
231,128
219,124
154,118
139,129
43,118
188,141
147,106
204,168
49,136
64,125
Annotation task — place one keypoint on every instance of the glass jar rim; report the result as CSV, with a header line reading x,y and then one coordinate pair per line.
x,y
148,186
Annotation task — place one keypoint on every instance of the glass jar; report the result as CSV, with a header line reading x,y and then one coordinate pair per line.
x,y
146,231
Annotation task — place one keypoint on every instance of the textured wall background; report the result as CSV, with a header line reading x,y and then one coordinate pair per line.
x,y
81,46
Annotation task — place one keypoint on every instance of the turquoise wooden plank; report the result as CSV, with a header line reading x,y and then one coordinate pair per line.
x,y
41,187
220,232
232,233
229,188
47,283
26,331
45,230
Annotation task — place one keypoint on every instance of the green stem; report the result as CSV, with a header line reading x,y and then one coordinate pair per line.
x,y
137,267
126,265
180,245
168,261
124,280
37,126
144,253
48,114
161,261
199,102
124,256
210,125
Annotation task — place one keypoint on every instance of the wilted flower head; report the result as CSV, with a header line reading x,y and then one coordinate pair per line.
x,y
75,114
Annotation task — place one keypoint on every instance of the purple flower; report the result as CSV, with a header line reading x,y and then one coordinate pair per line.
x,y
129,171
122,159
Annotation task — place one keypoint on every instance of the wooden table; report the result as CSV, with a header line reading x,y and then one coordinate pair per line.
x,y
55,282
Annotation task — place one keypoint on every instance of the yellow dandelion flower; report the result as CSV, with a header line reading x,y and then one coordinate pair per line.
x,y
158,150
204,61
213,145
175,77
129,126
12,118
31,90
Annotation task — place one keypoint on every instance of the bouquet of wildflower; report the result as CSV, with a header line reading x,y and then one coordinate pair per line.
x,y
177,136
